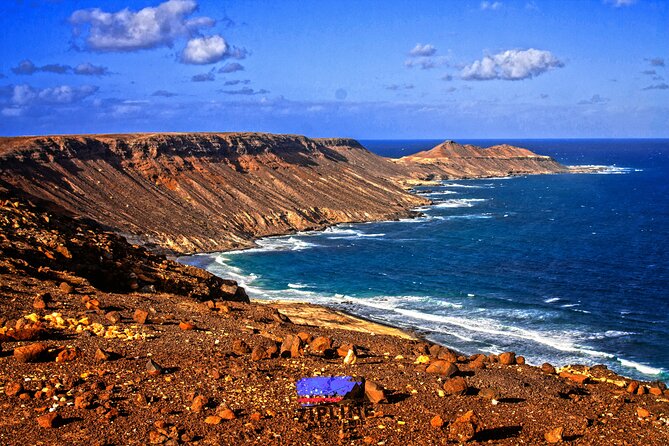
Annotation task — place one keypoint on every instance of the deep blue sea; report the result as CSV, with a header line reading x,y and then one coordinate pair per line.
x,y
559,268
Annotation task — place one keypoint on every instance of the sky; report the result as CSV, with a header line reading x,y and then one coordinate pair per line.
x,y
364,69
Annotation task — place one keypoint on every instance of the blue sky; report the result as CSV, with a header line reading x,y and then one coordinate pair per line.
x,y
365,69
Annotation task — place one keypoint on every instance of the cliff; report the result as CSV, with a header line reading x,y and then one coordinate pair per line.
x,y
451,160
205,192
194,192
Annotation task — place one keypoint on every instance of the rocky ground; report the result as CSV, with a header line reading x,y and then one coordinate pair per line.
x,y
105,343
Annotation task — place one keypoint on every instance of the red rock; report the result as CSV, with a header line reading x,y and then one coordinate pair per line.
x,y
31,353
633,386
258,354
113,316
49,420
320,345
306,337
69,354
478,362
226,414
213,419
489,394
255,416
83,401
13,388
186,326
442,368
222,308
577,378
240,348
464,428
554,435
547,368
93,304
455,386
641,390
153,368
507,358
66,288
520,360
343,350
374,392
140,316
434,350
157,438
655,391
273,350
642,413
101,355
199,403
447,355
437,422
291,347
39,303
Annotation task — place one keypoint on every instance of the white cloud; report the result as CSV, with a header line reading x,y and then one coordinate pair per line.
x,y
25,95
128,30
511,65
425,50
494,6
231,67
620,3
204,50
88,69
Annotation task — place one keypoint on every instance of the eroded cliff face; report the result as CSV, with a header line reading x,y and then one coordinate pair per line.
x,y
204,192
451,160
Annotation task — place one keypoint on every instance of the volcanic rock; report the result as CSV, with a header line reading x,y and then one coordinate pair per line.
x,y
547,368
554,435
49,420
443,368
374,392
507,358
140,316
240,348
30,353
464,428
455,386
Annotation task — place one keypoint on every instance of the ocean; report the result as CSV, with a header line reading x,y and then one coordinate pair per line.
x,y
566,269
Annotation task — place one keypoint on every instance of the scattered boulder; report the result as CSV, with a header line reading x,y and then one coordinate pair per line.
x,y
374,392
13,388
186,326
489,394
140,316
321,345
199,403
240,348
306,337
447,355
66,288
273,350
642,413
113,316
554,435
68,354
213,419
83,401
153,368
351,358
49,420
259,353
465,427
291,347
655,391
225,412
101,355
548,369
507,358
39,303
575,377
520,360
478,362
437,422
455,386
443,368
343,350
31,353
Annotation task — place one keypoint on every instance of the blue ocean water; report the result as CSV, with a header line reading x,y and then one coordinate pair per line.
x,y
560,268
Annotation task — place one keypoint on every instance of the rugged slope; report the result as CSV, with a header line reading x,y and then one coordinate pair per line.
x,y
204,192
452,160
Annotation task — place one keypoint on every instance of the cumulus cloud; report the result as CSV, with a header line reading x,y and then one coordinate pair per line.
x,y
661,86
511,65
164,94
420,50
203,77
595,99
204,50
231,67
236,82
245,91
27,67
127,30
656,61
25,95
493,6
396,87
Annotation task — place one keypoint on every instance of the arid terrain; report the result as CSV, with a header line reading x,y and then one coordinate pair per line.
x,y
105,342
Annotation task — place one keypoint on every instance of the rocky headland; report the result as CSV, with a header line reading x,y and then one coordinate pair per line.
x,y
106,342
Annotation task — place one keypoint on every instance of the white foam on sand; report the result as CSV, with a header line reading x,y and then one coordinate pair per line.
x,y
645,369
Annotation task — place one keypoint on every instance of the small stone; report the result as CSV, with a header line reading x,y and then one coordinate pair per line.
x,y
186,326
226,414
273,350
30,353
447,355
291,347
66,288
437,422
642,413
153,368
101,355
113,316
305,337
199,403
547,368
554,435
157,438
641,390
258,354
351,358
478,362
93,304
520,360
320,345
507,358
69,354
255,416
465,427
455,386
240,348
489,394
13,388
343,350
443,368
374,392
223,308
213,419
83,401
39,303
577,378
49,420
655,391
140,316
